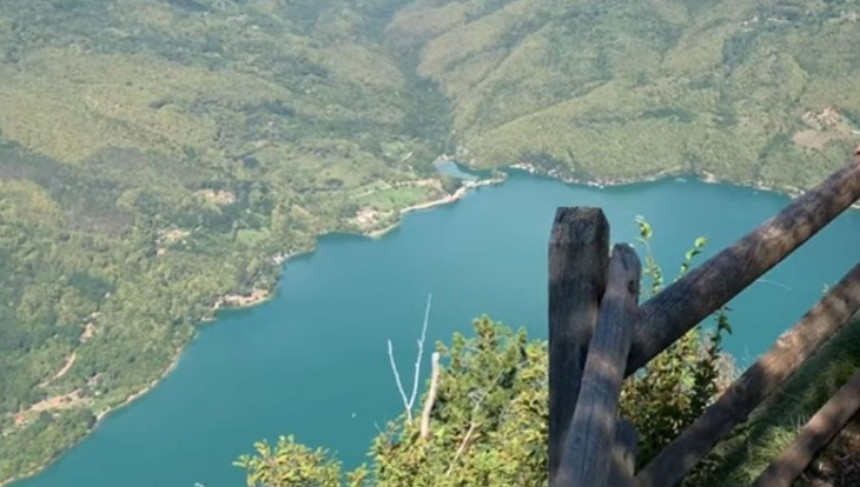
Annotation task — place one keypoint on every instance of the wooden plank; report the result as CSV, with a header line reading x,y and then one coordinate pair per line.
x,y
765,376
817,434
670,314
623,462
591,438
578,256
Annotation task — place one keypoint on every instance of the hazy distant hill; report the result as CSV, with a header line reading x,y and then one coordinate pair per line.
x,y
155,154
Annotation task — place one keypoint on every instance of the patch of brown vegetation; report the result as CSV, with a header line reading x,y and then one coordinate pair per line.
x,y
94,381
824,127
173,235
220,197
812,139
829,117
88,333
70,361
59,402
301,211
368,218
365,216
243,300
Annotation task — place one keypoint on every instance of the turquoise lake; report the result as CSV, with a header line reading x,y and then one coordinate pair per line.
x,y
312,361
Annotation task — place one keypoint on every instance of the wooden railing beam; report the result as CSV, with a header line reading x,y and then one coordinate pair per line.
x,y
590,442
761,380
817,434
578,256
670,314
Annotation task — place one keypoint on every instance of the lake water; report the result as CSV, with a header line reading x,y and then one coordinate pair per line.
x,y
312,361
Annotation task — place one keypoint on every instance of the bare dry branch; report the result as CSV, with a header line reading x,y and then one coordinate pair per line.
x,y
431,396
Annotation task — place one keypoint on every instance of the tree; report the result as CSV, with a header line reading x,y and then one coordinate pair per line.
x,y
290,463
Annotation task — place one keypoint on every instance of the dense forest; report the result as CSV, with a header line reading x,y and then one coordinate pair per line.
x,y
159,158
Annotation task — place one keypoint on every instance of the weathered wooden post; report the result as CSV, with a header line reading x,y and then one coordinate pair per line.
x,y
817,433
623,462
590,441
578,255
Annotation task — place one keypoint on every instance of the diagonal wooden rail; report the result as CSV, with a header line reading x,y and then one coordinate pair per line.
x,y
760,381
681,306
583,435
818,432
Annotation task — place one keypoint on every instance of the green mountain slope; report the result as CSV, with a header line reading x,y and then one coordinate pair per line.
x,y
748,91
155,155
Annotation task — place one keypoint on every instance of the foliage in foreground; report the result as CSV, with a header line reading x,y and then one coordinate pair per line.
x,y
675,387
489,419
488,425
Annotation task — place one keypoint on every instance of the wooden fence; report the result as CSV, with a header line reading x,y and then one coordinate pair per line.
x,y
599,334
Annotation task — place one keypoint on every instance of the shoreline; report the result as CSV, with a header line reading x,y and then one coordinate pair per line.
x,y
605,181
260,295
257,297
791,192
462,191
100,417
237,302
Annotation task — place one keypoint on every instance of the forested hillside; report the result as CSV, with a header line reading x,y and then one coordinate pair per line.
x,y
156,156
619,90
